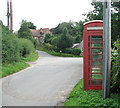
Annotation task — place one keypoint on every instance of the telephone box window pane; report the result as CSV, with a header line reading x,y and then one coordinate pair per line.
x,y
88,38
96,82
96,38
89,44
96,44
96,57
97,63
96,76
96,70
89,62
96,51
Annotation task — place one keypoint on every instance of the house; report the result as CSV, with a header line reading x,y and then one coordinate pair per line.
x,y
40,34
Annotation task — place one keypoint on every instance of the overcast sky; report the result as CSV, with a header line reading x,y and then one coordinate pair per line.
x,y
45,13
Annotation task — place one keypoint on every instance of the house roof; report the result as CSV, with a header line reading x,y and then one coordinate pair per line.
x,y
37,32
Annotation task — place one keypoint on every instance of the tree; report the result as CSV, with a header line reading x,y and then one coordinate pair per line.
x,y
54,41
97,13
48,38
24,31
58,30
78,39
29,24
64,41
115,21
79,32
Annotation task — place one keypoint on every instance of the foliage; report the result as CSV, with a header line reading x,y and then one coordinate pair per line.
x,y
14,67
29,24
79,32
97,13
75,51
79,97
115,21
54,41
14,48
78,39
24,31
10,47
58,30
42,48
48,38
48,46
64,41
115,68
26,47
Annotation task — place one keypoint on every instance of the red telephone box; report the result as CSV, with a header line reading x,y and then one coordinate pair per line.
x,y
93,54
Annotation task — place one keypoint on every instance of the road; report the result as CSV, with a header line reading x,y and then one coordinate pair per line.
x,y
46,82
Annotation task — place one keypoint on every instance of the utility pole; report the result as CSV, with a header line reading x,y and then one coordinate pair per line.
x,y
11,17
107,48
8,15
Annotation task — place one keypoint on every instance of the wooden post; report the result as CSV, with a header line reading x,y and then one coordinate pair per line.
x,y
107,48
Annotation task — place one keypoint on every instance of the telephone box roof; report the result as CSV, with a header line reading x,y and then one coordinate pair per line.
x,y
92,21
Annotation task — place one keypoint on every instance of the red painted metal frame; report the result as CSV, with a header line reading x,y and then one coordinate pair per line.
x,y
86,34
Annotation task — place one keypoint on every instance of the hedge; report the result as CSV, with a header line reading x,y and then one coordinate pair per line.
x,y
14,48
75,51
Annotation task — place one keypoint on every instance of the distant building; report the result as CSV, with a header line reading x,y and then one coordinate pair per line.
x,y
40,34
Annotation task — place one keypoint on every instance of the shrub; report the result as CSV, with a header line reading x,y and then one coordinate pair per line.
x,y
10,47
115,69
56,49
54,41
72,51
48,46
26,46
14,48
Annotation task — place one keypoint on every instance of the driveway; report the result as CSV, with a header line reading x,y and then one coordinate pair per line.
x,y
46,82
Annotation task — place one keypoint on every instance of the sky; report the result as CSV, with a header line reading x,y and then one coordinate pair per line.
x,y
45,13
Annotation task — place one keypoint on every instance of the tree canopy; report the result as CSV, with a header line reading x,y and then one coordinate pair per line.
x,y
64,41
24,31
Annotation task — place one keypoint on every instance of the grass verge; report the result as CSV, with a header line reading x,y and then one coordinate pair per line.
x,y
80,98
8,69
41,48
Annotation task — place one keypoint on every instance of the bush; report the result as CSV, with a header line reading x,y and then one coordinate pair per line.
x,y
10,47
54,41
14,48
115,69
48,46
26,47
72,51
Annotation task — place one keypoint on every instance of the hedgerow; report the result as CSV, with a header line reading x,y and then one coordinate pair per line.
x,y
14,48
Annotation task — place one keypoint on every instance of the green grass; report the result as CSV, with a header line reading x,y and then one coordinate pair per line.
x,y
8,69
79,97
41,48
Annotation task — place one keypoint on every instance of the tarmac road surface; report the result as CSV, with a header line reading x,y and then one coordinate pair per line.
x,y
46,82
